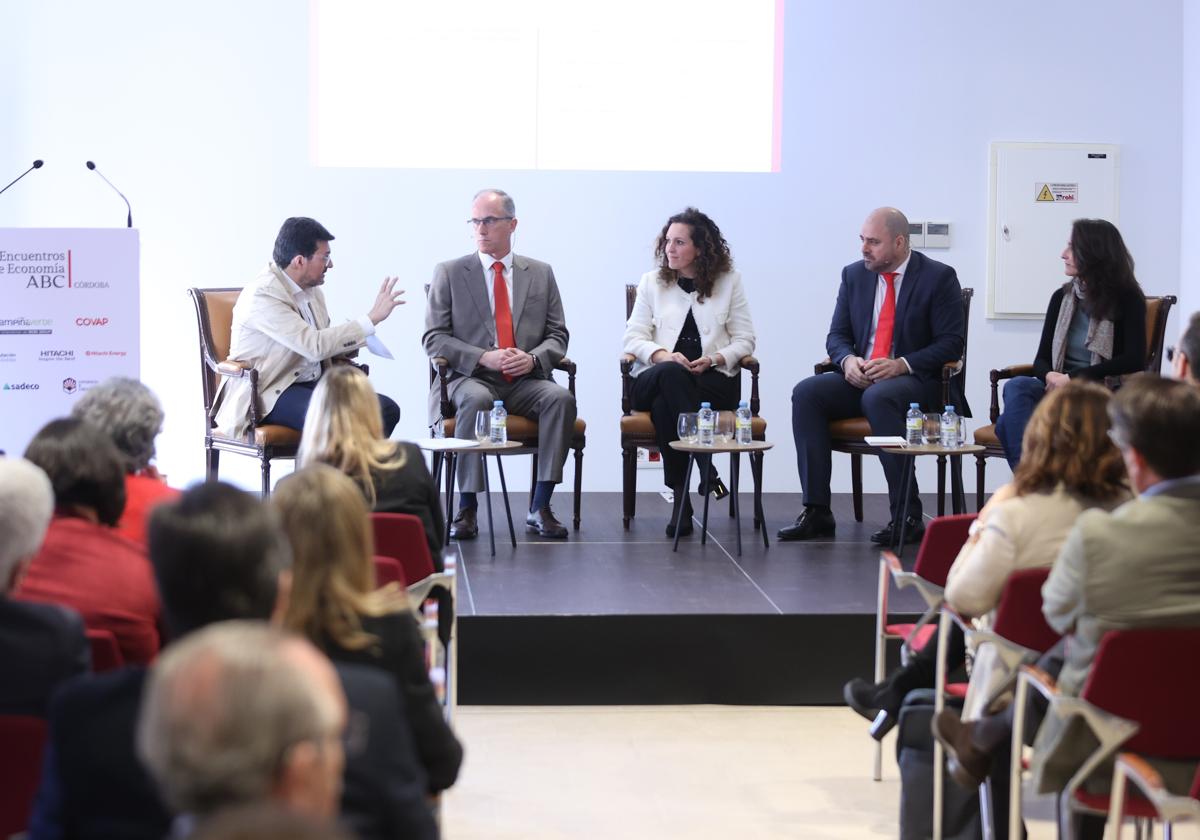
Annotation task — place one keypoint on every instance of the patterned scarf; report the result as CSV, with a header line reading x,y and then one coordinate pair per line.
x,y
1099,335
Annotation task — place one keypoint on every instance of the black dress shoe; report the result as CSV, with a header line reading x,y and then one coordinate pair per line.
x,y
914,529
545,524
685,522
465,525
713,484
811,524
877,703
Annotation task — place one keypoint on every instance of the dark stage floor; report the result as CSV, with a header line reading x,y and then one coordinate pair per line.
x,y
613,616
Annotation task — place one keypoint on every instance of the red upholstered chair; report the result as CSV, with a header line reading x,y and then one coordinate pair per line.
x,y
22,739
402,536
1151,800
943,538
106,653
388,570
1127,701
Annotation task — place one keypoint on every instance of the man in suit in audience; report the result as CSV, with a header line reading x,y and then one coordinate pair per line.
x,y
218,554
281,328
1181,356
898,319
40,644
498,319
1134,567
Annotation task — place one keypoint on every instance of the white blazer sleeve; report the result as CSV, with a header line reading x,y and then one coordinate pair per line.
x,y
639,329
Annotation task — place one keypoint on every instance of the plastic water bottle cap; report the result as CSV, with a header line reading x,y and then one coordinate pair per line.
x,y
914,405
949,408
706,405
498,404
743,404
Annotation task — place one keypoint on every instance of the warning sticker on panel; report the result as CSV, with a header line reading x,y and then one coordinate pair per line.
x,y
1057,193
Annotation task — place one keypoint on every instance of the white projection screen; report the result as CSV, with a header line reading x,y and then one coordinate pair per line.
x,y
657,85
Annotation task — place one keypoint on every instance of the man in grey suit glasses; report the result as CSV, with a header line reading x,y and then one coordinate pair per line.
x,y
498,319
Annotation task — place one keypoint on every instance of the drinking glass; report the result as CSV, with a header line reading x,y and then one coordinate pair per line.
x,y
932,433
483,426
723,430
687,427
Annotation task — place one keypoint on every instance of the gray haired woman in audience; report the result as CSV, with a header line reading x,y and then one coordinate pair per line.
x,y
132,416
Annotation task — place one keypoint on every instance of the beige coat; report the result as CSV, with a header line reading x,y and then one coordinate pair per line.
x,y
270,333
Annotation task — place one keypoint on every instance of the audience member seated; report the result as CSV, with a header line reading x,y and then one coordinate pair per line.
x,y
133,417
266,821
1070,465
1134,567
689,330
218,554
84,564
1095,327
343,429
40,644
239,712
1181,355
334,603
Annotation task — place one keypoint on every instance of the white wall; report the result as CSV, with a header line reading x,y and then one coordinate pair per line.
x,y
200,116
1189,280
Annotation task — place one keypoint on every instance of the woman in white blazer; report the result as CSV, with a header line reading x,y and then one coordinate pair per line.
x,y
689,329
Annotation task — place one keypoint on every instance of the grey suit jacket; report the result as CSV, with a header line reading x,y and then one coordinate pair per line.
x,y
460,326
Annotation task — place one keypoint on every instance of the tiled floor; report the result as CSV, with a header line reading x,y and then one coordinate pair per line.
x,y
677,772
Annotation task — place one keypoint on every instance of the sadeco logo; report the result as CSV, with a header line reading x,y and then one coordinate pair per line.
x,y
91,322
21,386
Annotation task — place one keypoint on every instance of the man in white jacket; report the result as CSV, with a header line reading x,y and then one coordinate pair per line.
x,y
281,328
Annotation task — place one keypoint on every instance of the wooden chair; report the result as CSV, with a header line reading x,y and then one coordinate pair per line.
x,y
521,429
637,429
20,769
847,435
106,653
214,320
1157,310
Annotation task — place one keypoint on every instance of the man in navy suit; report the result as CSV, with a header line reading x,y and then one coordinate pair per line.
x,y
898,319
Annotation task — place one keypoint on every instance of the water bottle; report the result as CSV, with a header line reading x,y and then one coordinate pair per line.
x,y
914,425
949,428
499,423
742,433
706,421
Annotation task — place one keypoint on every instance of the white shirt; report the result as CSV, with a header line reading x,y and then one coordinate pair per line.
x,y
311,371
489,277
880,294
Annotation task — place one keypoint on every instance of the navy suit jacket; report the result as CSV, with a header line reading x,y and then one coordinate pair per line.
x,y
40,646
929,327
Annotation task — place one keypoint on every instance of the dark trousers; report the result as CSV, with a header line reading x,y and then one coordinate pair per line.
x,y
825,397
292,405
667,390
921,670
1021,396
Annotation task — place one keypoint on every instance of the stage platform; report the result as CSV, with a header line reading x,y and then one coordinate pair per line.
x,y
614,617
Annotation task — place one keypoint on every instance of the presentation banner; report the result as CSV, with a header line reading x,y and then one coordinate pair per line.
x,y
69,319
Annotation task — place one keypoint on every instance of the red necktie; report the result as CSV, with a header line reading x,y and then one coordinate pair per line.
x,y
504,325
887,318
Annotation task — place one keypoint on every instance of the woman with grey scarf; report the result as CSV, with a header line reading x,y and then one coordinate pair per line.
x,y
1095,327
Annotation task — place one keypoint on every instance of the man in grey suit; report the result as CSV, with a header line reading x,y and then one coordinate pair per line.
x,y
498,319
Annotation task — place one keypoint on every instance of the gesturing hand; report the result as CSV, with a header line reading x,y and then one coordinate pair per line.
x,y
387,300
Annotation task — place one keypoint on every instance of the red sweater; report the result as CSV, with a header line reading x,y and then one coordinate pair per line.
x,y
104,577
142,493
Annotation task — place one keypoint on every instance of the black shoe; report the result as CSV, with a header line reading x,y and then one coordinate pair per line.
x,y
544,522
685,522
465,525
968,765
914,529
713,484
812,523
877,703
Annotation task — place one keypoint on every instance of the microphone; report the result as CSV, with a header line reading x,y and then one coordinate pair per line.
x,y
37,164
129,220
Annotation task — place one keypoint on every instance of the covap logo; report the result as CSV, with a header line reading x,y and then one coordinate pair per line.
x,y
70,386
91,322
21,386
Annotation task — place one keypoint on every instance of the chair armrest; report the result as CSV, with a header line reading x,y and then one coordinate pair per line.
x,y
441,366
994,377
627,360
825,366
750,363
568,367
235,370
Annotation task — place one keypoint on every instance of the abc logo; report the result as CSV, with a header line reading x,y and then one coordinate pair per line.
x,y
91,322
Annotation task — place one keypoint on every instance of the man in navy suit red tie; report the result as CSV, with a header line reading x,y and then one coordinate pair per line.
x,y
898,319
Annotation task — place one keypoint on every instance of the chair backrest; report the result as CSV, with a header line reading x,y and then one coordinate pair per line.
x,y
1157,310
944,537
967,294
106,653
388,570
402,536
214,322
23,740
1019,615
630,299
1149,675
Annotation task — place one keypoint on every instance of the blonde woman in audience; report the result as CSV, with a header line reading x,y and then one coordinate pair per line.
x,y
132,416
343,429
335,603
1070,464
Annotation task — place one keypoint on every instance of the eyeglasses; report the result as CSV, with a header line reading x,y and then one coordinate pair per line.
x,y
488,221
